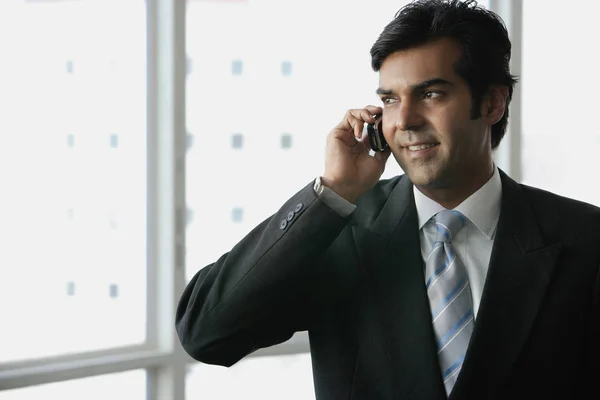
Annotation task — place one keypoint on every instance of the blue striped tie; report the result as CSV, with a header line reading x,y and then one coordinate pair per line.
x,y
449,297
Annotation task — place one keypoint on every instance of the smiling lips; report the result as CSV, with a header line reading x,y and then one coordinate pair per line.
x,y
421,146
420,150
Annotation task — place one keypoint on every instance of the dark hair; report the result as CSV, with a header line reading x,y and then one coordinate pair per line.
x,y
481,33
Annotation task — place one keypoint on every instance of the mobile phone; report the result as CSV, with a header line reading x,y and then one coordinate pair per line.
x,y
375,131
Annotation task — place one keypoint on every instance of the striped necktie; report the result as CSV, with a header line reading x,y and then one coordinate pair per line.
x,y
449,297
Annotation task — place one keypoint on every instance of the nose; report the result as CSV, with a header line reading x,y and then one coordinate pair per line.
x,y
408,116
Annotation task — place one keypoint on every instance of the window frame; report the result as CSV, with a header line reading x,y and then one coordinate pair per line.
x,y
161,355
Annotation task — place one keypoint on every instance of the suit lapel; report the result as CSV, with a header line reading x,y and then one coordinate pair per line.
x,y
520,269
390,254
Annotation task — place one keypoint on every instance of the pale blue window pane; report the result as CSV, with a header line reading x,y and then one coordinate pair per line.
x,y
286,141
237,67
114,141
237,214
286,68
71,288
189,216
189,65
237,140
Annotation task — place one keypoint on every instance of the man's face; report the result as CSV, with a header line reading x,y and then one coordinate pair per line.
x,y
427,117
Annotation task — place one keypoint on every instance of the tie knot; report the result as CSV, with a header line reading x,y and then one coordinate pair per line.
x,y
448,223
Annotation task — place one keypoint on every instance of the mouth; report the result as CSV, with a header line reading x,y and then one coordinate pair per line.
x,y
418,147
420,150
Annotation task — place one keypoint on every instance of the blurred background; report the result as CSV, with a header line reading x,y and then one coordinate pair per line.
x,y
140,140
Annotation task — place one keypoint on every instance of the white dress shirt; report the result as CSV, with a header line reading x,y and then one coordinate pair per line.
x,y
473,243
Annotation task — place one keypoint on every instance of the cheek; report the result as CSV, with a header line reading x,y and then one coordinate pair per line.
x,y
454,128
447,119
388,129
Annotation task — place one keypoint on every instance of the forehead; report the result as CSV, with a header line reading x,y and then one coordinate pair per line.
x,y
412,66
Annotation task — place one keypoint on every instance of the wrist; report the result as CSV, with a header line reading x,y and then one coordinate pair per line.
x,y
348,192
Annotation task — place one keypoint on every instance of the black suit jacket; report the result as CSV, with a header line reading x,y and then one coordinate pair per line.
x,y
357,285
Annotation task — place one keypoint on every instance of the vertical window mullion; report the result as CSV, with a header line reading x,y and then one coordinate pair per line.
x,y
508,155
166,190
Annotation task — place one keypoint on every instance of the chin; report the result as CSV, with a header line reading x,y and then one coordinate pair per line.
x,y
423,182
427,179
419,174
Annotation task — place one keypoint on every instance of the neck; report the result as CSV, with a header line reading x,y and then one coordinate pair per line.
x,y
454,193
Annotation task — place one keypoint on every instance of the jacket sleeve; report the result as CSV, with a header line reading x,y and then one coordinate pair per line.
x,y
261,292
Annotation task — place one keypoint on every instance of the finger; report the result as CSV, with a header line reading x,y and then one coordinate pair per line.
x,y
354,121
350,123
345,130
357,126
358,118
374,110
363,115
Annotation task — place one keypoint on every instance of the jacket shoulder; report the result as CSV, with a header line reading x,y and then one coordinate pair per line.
x,y
562,216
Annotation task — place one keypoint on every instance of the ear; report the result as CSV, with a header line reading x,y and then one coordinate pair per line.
x,y
494,104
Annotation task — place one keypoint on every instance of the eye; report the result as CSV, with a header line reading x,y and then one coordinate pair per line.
x,y
431,94
389,100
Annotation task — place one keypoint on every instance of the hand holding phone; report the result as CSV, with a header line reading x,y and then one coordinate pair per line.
x,y
350,169
375,131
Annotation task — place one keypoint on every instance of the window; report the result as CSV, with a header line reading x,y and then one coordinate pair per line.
x,y
286,68
237,140
130,385
237,67
286,141
561,138
237,214
73,212
114,141
269,378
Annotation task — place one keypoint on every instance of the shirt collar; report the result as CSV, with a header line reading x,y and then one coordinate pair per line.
x,y
482,208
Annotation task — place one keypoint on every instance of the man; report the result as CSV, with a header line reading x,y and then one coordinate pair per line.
x,y
451,280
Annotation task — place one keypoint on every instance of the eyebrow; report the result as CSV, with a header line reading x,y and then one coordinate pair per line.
x,y
418,87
